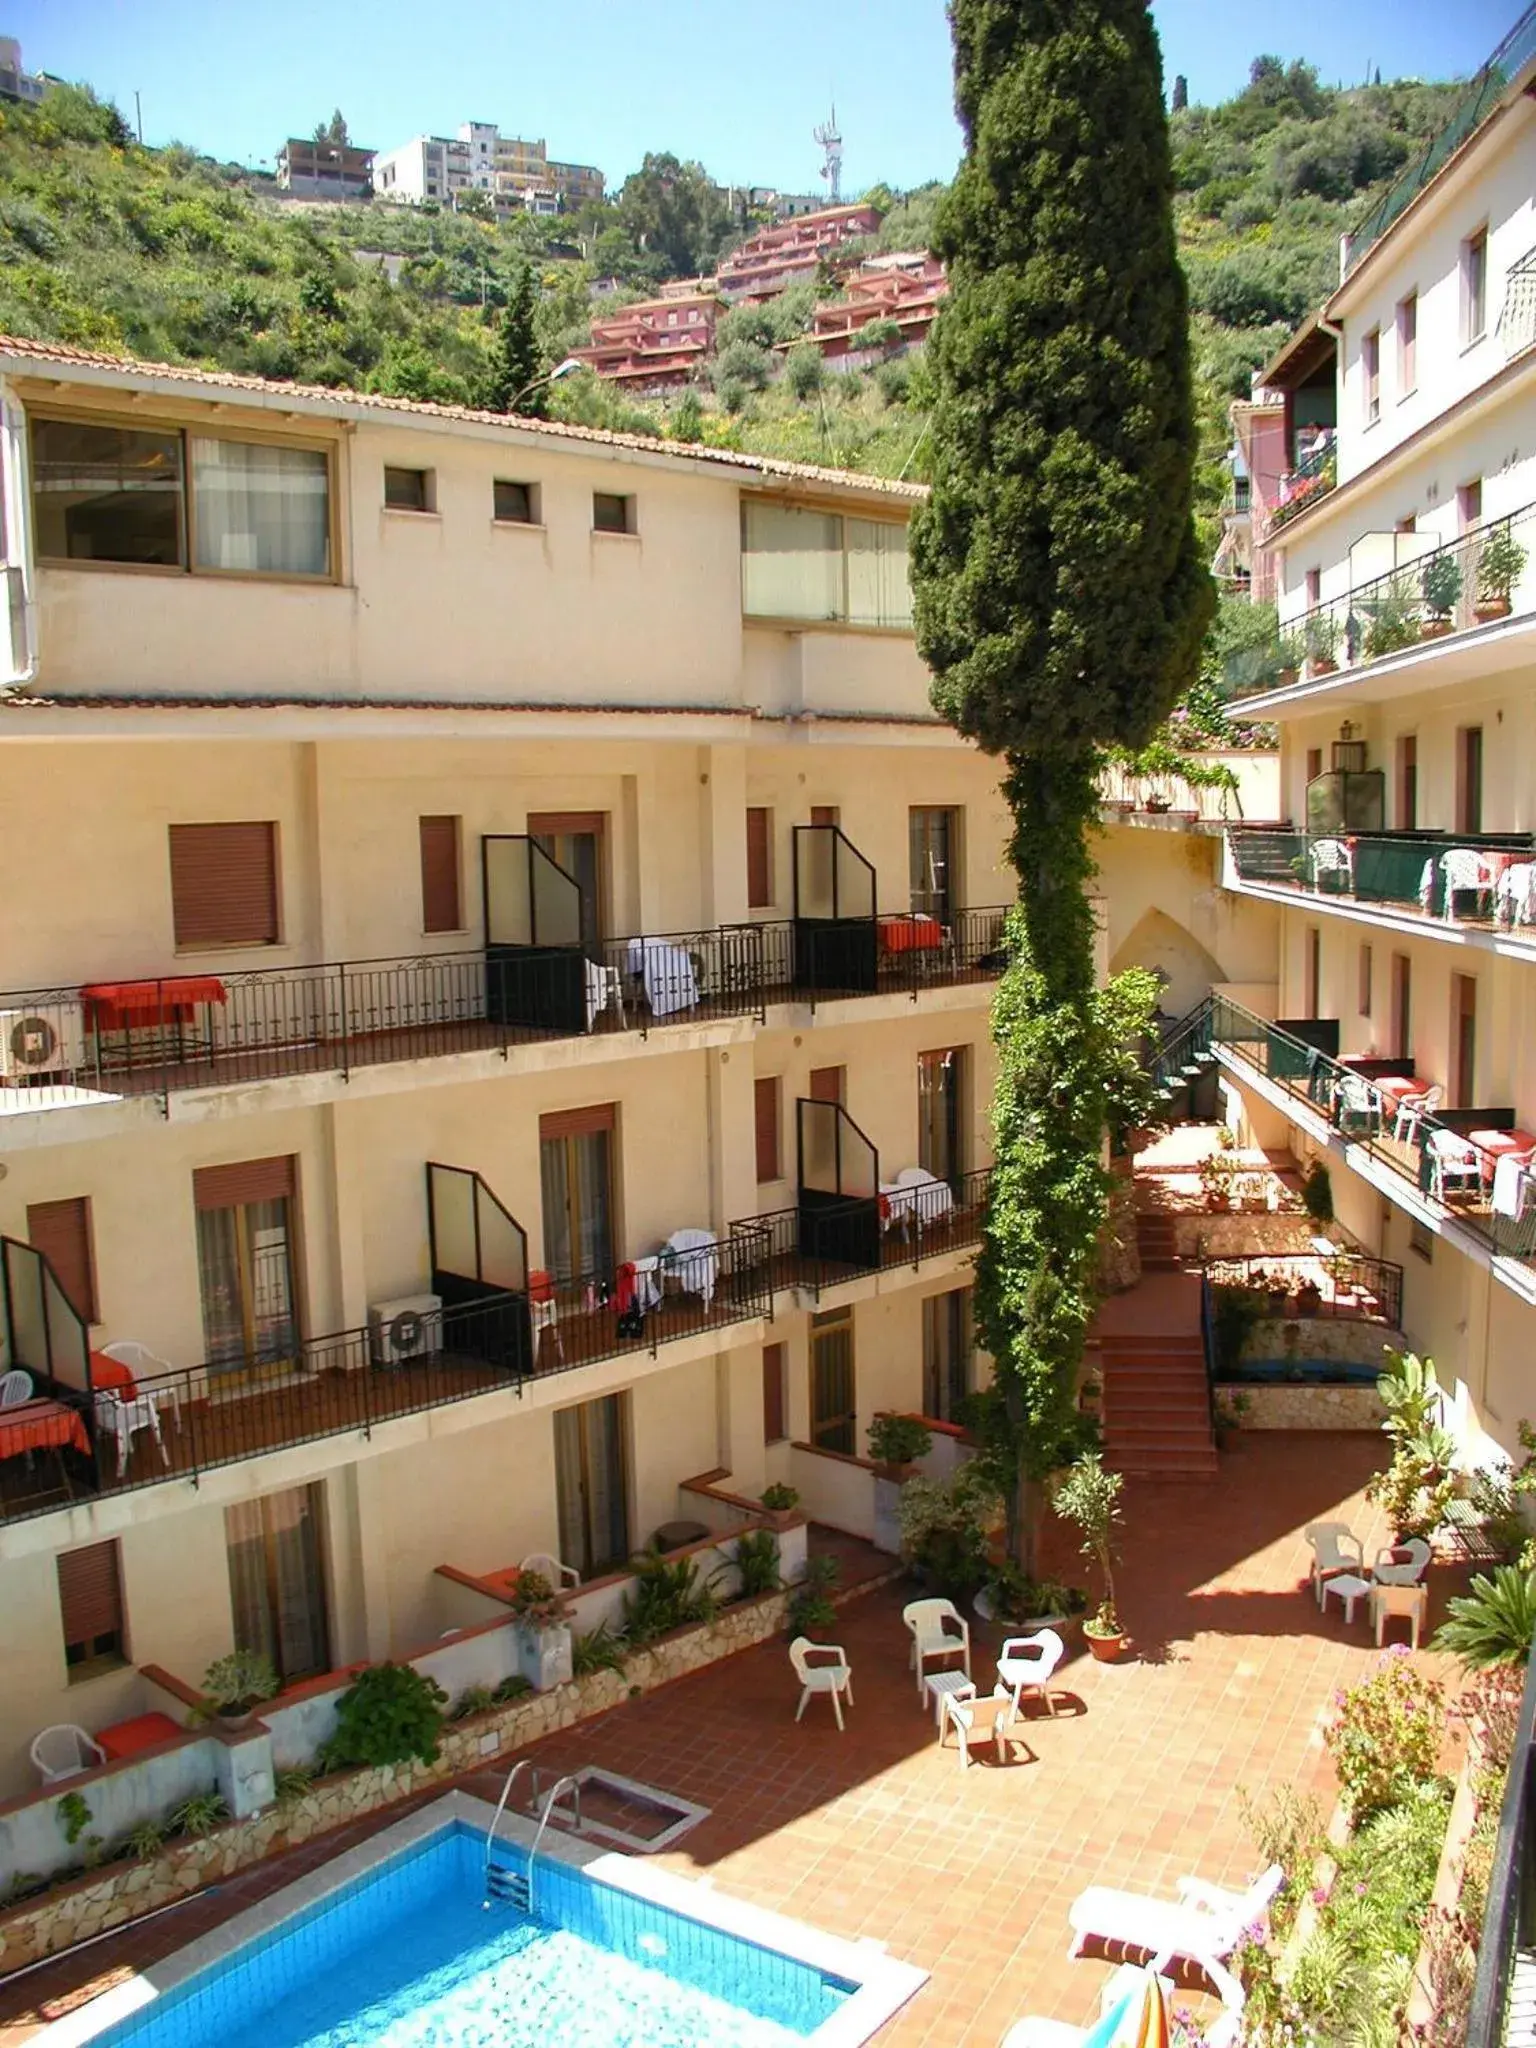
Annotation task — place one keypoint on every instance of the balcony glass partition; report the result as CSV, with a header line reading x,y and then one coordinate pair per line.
x,y
835,933
799,563
536,972
839,1187
480,1260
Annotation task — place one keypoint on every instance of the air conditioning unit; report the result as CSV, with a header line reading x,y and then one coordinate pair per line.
x,y
49,1040
411,1327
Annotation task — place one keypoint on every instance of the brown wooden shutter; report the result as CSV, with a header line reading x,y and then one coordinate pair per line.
x,y
759,859
440,907
246,1180
578,1123
825,814
828,1084
224,884
90,1594
766,1106
61,1231
774,1429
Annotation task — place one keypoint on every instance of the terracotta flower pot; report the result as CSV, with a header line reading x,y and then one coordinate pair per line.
x,y
1104,1649
1434,629
1486,609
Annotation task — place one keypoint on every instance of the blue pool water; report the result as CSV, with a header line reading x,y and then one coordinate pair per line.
x,y
1310,1371
408,1957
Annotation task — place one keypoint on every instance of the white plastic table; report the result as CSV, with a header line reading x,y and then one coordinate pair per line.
x,y
943,1685
1349,1589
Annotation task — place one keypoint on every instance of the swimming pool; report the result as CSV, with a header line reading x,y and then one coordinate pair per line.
x,y
393,1944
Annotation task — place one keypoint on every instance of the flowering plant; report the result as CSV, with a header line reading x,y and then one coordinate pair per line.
x,y
1385,1735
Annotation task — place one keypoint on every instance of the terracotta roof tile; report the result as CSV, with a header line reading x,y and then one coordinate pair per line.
x,y
16,350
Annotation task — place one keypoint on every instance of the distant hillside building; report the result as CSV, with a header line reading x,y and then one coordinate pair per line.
x,y
654,344
311,169
16,84
905,287
775,258
515,175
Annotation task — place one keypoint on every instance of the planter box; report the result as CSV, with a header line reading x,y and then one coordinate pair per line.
x,y
544,1656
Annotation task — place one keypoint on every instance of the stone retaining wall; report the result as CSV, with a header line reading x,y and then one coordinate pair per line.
x,y
1349,1340
114,1895
1259,1234
1289,1404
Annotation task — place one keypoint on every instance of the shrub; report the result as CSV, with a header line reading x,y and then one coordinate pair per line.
x,y
474,1699
238,1682
146,1839
1317,1193
1500,564
810,1606
1385,1736
600,1649
513,1687
534,1602
1237,1312
1495,1623
743,363
667,1594
1441,584
756,1558
802,369
1090,1497
198,1816
899,1439
944,1529
292,1785
73,1817
779,1499
390,1714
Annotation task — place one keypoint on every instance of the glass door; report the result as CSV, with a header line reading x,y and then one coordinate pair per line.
x,y
277,1581
574,841
946,1353
576,1179
939,1144
592,1486
245,1274
931,839
834,1413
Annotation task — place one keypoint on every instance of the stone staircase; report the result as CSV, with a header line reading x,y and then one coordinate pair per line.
x,y
1155,1409
1155,1241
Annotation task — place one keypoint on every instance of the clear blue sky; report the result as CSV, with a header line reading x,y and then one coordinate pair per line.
x,y
737,85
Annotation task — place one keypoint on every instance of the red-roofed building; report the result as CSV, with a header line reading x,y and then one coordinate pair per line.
x,y
905,288
653,343
792,252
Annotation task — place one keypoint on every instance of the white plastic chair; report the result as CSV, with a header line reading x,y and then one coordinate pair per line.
x,y
1388,1573
64,1751
938,1629
124,1417
1412,1110
1335,1548
1332,857
146,1364
1453,1160
548,1566
1515,894
1466,871
994,1716
834,1675
1028,1663
1203,1925
15,1387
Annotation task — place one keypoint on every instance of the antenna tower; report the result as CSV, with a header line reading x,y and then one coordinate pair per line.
x,y
831,144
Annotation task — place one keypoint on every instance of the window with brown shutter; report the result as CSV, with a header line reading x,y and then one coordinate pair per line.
x,y
759,858
246,1180
61,1231
775,1428
829,1084
91,1609
441,910
224,885
578,1123
766,1096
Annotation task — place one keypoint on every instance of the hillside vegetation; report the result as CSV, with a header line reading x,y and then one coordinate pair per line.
x,y
169,255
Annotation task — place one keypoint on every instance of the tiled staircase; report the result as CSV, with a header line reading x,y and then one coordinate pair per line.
x,y
1156,1412
1155,1241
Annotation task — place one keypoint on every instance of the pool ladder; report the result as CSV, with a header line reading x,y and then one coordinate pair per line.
x,y
503,1884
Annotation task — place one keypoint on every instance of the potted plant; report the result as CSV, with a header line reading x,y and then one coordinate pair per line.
x,y
1441,587
944,1528
1500,565
1292,654
896,1442
1309,1298
234,1686
1320,638
541,1631
1017,1602
1089,1497
779,1503
1231,1405
1317,1194
1394,620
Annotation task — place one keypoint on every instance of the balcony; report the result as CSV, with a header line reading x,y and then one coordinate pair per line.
x,y
156,1037
1469,1169
501,1329
1315,475
1449,884
1445,591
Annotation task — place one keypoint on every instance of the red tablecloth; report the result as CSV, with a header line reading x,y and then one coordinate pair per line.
x,y
41,1426
128,1005
1494,1145
112,1375
125,1738
910,934
1398,1085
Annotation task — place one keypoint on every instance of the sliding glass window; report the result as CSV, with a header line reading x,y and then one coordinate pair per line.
x,y
797,563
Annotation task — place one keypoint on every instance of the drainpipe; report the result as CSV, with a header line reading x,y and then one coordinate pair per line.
x,y
16,532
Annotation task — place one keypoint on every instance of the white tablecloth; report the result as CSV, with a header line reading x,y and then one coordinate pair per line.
x,y
692,1258
1512,1186
927,1201
666,973
602,987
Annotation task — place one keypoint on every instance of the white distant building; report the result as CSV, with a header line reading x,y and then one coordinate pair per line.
x,y
512,173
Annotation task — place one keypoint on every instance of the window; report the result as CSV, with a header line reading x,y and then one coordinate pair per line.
x,y
576,1149
515,504
1370,370
107,493
775,1408
1408,782
1464,1040
1408,345
1314,588
767,1094
224,885
408,490
1469,778
946,1353
801,564
940,1089
441,904
576,841
1469,504
612,513
1314,763
61,1231
826,814
834,1415
829,1084
1402,1007
759,858
1364,1004
1312,969
592,1484
1474,287
277,1580
932,838
91,1610
245,1262
1421,1240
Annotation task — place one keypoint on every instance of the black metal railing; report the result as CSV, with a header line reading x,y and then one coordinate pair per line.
x,y
911,1232
1509,1922
1435,1153
1516,324
1486,878
1315,475
1347,1285
637,1305
1482,575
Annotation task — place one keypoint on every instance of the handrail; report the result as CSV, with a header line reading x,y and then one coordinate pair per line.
x,y
522,1764
569,1783
1506,1914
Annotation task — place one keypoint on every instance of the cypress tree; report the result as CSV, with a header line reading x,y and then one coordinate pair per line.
x,y
1060,603
517,353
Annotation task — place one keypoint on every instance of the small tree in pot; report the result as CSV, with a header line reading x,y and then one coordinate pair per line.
x,y
234,1686
1500,565
896,1442
543,1633
1441,585
1089,1497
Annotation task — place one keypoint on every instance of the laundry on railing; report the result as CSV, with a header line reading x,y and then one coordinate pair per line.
x,y
1514,1187
666,972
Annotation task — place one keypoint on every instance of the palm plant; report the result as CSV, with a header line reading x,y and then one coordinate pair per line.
x,y
1493,1624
